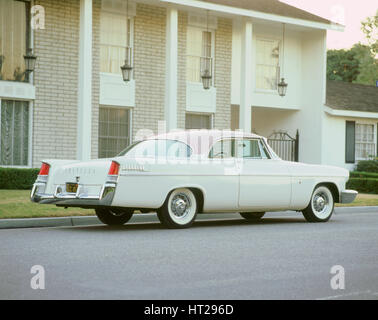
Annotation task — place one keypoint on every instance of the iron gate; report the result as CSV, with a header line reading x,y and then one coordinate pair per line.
x,y
284,145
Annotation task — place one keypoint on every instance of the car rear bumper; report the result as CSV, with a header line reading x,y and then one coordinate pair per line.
x,y
348,196
78,199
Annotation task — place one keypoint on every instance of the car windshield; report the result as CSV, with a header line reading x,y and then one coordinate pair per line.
x,y
158,148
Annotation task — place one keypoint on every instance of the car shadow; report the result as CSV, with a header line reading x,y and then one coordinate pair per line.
x,y
138,226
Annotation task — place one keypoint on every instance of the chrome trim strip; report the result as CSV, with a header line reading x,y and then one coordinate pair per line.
x,y
75,199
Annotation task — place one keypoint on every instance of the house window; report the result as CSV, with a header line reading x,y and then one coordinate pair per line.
x,y
14,133
113,41
114,131
14,31
365,141
267,64
199,46
198,121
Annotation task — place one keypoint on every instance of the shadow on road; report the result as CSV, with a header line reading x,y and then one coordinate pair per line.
x,y
140,226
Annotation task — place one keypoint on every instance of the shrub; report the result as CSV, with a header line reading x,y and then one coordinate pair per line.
x,y
13,178
358,174
363,185
368,166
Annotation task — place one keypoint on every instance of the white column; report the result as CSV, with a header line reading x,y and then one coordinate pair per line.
x,y
84,122
171,69
246,77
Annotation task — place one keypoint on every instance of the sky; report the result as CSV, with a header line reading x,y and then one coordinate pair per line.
x,y
347,12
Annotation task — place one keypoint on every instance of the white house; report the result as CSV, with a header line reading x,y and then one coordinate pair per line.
x,y
76,105
350,123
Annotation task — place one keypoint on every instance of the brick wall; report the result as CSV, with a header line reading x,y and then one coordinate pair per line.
x,y
149,64
56,81
56,76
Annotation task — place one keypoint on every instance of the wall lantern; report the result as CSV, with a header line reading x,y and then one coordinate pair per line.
x,y
206,74
206,61
282,85
127,67
30,60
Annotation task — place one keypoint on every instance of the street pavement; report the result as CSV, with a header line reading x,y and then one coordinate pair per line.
x,y
220,257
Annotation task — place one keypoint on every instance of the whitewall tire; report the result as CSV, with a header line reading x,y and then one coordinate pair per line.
x,y
179,209
321,206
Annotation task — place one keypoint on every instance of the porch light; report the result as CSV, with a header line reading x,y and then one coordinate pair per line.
x,y
30,60
206,79
206,63
127,67
206,74
282,87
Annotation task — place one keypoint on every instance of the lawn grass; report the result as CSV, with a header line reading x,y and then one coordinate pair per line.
x,y
17,204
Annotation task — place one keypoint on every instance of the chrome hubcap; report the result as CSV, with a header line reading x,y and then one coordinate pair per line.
x,y
320,202
180,205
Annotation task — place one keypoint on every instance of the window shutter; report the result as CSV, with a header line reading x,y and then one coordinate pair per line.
x,y
350,142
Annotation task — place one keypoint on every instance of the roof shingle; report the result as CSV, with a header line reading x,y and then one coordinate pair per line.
x,y
351,96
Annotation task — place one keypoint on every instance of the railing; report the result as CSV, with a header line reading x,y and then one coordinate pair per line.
x,y
286,147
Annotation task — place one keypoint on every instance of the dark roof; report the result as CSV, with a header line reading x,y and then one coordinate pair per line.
x,y
351,96
272,7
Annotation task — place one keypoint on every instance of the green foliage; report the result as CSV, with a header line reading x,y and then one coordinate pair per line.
x,y
358,64
12,178
363,185
368,166
370,28
342,65
368,65
359,174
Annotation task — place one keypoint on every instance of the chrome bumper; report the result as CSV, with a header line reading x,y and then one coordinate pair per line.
x,y
105,198
348,196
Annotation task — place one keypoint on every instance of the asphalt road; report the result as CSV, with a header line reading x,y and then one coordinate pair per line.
x,y
220,257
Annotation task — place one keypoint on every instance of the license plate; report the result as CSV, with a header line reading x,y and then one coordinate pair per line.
x,y
71,187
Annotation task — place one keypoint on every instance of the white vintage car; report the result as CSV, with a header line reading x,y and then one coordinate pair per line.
x,y
180,174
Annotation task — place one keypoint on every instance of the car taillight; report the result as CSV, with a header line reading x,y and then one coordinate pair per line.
x,y
44,171
114,169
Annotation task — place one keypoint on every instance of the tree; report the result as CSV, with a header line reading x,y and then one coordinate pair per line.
x,y
368,65
342,65
370,28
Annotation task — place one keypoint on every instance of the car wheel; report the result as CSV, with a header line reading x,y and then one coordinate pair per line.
x,y
321,206
114,216
179,209
252,216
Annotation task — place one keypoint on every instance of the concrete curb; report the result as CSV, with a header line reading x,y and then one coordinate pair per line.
x,y
48,222
149,217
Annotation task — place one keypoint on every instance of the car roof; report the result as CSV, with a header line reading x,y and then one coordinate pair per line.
x,y
201,140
